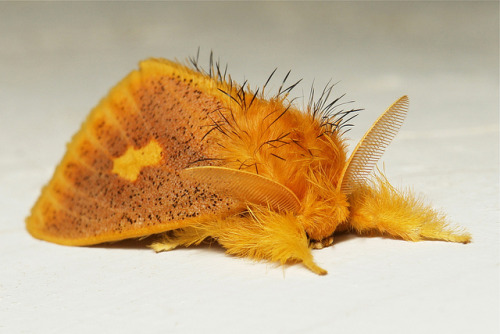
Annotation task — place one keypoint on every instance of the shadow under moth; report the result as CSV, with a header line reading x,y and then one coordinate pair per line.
x,y
188,154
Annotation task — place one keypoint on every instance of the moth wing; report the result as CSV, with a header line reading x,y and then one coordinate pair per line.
x,y
245,186
373,144
120,177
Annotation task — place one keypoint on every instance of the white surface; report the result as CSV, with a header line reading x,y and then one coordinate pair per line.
x,y
58,59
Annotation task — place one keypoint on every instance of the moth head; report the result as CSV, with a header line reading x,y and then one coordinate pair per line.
x,y
326,204
324,207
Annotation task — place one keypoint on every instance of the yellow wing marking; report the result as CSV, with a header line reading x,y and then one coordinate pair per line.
x,y
373,144
129,165
245,186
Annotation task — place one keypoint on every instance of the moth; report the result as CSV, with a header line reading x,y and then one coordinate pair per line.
x,y
189,155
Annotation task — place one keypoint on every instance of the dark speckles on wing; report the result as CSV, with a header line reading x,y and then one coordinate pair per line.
x,y
88,200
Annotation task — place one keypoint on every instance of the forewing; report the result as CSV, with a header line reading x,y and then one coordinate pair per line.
x,y
120,175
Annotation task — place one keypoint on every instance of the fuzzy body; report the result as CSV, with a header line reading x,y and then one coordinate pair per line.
x,y
122,174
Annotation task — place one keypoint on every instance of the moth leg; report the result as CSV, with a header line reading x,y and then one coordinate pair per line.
x,y
382,208
188,236
263,234
259,234
322,243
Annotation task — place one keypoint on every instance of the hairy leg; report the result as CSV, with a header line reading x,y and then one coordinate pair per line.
x,y
381,207
260,234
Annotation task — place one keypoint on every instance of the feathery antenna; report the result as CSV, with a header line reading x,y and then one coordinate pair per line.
x,y
245,186
372,145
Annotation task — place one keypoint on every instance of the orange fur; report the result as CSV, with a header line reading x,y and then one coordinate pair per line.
x,y
301,146
307,161
379,207
124,174
257,234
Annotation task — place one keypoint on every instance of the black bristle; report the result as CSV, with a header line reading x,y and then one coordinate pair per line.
x,y
271,142
219,75
277,118
290,88
210,64
284,80
253,98
268,79
277,156
229,95
325,111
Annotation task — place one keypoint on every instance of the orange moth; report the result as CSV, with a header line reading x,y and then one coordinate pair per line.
x,y
188,155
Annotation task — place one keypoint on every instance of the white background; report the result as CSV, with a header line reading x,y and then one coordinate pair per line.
x,y
58,59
